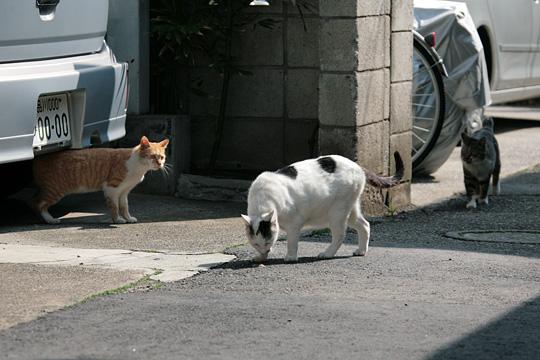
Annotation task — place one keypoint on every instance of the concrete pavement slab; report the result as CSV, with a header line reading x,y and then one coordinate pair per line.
x,y
28,291
163,266
68,275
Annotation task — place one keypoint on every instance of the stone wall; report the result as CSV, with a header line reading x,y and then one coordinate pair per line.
x,y
336,82
364,88
272,115
401,50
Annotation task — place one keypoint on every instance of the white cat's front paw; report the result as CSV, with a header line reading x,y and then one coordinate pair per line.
x,y
131,219
359,252
471,204
291,258
119,220
483,201
326,255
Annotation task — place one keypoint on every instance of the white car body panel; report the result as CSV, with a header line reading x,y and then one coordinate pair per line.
x,y
58,48
71,27
513,28
98,89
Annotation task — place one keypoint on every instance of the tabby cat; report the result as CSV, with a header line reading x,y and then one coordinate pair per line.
x,y
314,193
114,171
481,162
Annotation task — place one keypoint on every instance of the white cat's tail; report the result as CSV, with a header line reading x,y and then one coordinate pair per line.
x,y
389,181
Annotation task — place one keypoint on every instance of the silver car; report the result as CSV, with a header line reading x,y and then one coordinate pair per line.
x,y
510,34
60,84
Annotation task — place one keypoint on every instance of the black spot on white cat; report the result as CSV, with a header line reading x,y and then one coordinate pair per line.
x,y
265,229
327,164
289,171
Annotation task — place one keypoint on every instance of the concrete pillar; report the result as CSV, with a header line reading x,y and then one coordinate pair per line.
x,y
400,95
357,95
128,36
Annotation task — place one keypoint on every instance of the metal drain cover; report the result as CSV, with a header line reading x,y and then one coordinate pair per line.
x,y
498,236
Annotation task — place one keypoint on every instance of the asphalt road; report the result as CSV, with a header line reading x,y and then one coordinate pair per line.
x,y
417,295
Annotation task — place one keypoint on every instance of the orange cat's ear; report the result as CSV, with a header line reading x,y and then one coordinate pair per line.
x,y
144,142
164,143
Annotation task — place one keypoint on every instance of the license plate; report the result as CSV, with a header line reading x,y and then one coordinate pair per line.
x,y
53,123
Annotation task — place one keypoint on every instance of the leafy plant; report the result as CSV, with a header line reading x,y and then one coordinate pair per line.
x,y
197,32
200,33
182,28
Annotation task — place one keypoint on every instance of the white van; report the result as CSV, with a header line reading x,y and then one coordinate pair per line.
x,y
60,84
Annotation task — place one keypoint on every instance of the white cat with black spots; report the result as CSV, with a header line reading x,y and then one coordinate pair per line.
x,y
311,194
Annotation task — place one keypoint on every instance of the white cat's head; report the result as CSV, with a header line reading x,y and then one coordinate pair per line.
x,y
262,232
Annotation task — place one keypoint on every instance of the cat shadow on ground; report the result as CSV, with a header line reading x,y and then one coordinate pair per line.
x,y
249,263
91,210
17,212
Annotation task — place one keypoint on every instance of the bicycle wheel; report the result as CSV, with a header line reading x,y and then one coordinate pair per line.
x,y
428,103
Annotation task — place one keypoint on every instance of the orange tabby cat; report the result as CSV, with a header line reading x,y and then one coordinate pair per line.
x,y
114,171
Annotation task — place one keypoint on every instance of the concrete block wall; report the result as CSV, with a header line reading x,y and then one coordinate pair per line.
x,y
272,115
400,96
365,88
341,87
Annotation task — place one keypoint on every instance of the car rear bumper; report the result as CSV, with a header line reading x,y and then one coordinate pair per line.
x,y
97,88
